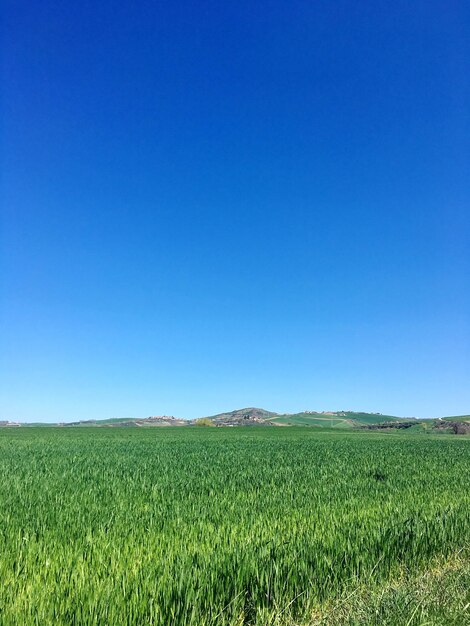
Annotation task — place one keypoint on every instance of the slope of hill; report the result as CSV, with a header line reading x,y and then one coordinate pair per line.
x,y
310,418
158,420
371,418
457,418
334,419
252,416
459,424
243,417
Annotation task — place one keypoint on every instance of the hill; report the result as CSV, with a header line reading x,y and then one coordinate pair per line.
x,y
457,418
252,416
157,420
243,417
334,419
326,419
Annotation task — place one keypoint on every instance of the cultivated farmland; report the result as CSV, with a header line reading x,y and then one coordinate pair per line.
x,y
223,526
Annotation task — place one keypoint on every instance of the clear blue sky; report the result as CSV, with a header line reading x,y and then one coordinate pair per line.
x,y
210,205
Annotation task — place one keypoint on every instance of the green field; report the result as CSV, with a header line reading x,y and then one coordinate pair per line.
x,y
302,419
458,418
231,526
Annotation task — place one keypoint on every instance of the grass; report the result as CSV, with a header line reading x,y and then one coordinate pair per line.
x,y
436,597
214,526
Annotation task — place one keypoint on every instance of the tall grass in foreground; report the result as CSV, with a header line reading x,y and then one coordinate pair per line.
x,y
217,526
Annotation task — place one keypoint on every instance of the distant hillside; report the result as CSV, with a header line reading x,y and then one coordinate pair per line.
x,y
459,424
342,420
243,417
457,418
312,418
252,416
325,419
158,420
334,419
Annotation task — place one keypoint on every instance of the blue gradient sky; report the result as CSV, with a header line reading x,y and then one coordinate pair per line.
x,y
210,205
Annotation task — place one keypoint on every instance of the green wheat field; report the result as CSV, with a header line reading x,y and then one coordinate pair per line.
x,y
232,526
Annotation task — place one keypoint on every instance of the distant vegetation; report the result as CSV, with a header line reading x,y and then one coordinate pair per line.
x,y
231,526
204,421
